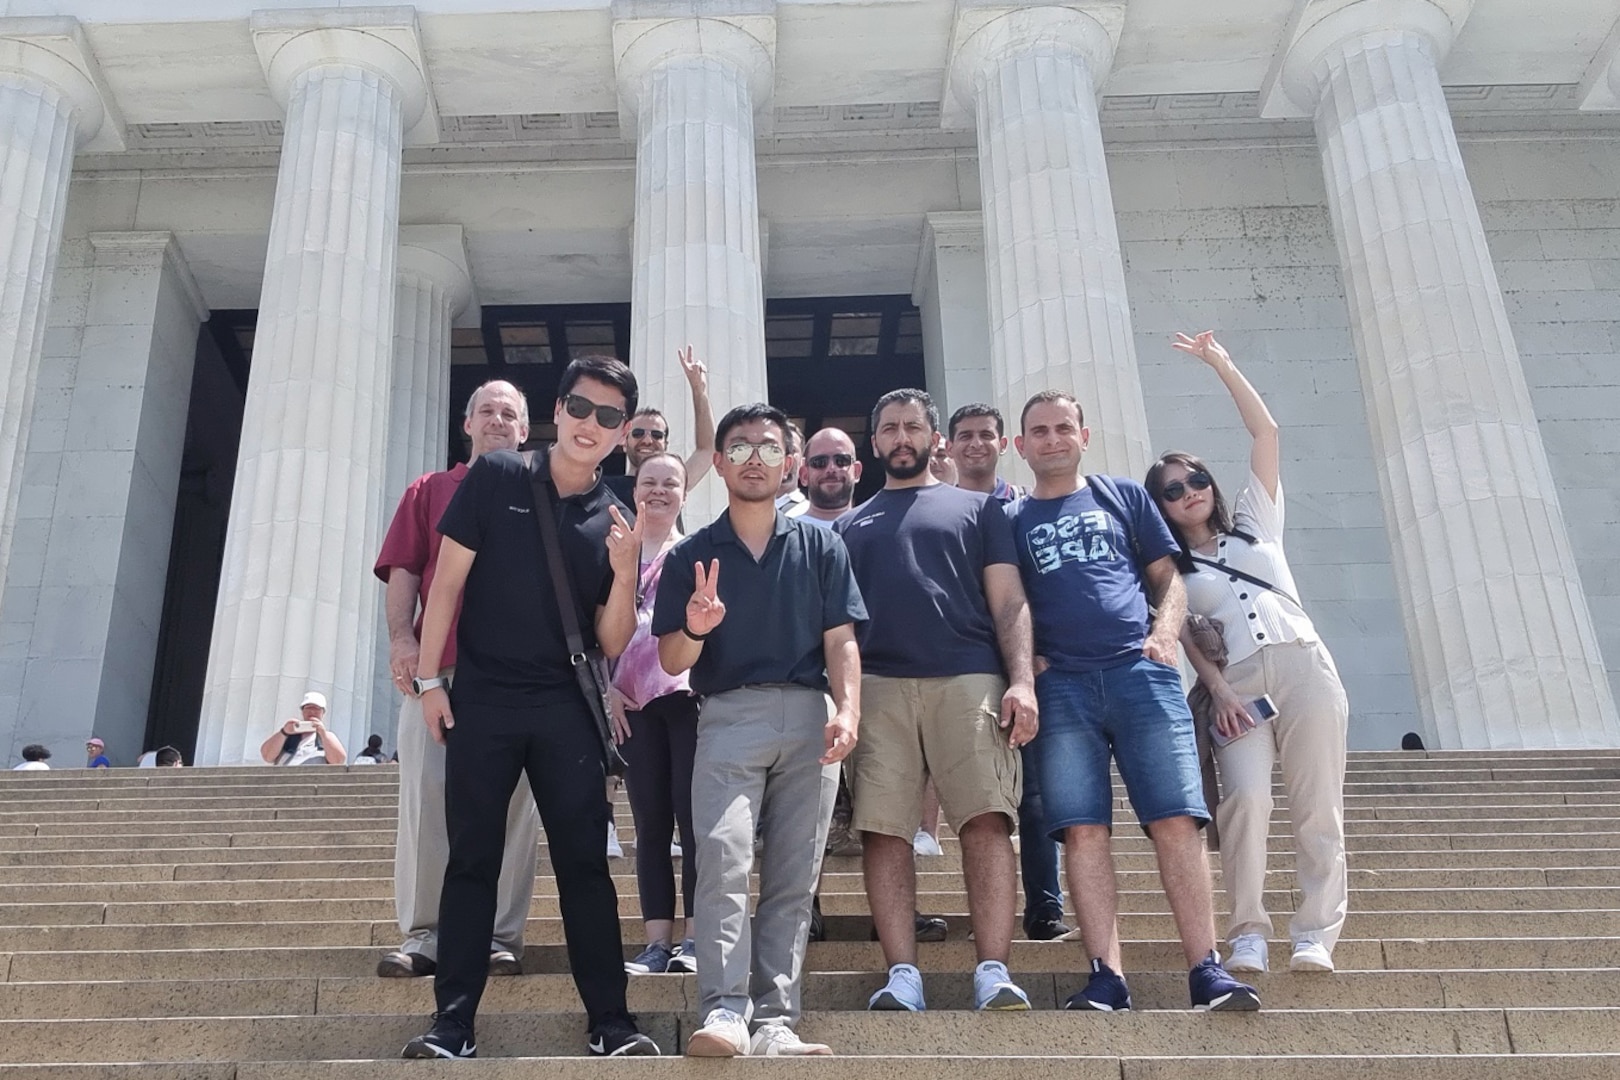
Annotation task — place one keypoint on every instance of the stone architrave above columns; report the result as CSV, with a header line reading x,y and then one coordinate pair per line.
x,y
693,84
1600,88
1028,75
1502,645
296,606
52,102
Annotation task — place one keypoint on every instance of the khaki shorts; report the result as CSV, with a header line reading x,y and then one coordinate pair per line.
x,y
946,728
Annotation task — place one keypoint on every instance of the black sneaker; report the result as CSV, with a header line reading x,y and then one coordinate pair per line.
x,y
447,1038
818,925
616,1035
504,962
930,927
1104,992
1046,929
400,964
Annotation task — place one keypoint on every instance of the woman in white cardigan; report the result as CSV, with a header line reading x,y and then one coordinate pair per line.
x,y
1236,573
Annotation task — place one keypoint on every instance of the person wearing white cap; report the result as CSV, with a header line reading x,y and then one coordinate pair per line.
x,y
304,739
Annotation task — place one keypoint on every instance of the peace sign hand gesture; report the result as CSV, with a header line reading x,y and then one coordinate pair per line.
x,y
624,545
705,610
1205,347
697,373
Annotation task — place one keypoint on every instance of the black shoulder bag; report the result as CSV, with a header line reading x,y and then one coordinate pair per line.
x,y
590,666
1258,582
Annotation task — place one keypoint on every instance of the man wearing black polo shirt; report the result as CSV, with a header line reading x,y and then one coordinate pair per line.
x,y
762,610
518,709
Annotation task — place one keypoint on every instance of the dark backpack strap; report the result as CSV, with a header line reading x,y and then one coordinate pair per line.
x,y
545,515
1223,568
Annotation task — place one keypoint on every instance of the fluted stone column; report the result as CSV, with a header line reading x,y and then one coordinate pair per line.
x,y
1501,641
1028,78
50,104
296,599
693,86
434,288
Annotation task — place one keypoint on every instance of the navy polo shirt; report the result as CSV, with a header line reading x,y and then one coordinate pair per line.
x,y
776,607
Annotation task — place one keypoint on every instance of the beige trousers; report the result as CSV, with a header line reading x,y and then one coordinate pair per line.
x,y
1309,735
422,847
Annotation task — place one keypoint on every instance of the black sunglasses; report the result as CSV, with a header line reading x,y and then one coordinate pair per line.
x,y
1175,489
579,407
648,433
821,461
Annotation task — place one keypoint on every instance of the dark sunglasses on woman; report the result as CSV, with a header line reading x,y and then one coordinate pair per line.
x,y
1175,489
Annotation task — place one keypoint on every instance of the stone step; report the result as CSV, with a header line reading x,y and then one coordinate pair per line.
x,y
1169,1033
842,991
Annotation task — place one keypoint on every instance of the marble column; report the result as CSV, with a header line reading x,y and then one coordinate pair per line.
x,y
51,103
693,86
296,598
1502,646
951,296
434,289
1027,78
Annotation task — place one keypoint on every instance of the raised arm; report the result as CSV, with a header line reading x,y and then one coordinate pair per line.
x,y
702,458
616,620
271,748
1263,449
678,651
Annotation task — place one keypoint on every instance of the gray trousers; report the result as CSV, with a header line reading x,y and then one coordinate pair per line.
x,y
422,847
758,767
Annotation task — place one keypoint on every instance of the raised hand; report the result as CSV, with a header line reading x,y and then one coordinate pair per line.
x,y
624,545
1205,347
705,610
697,373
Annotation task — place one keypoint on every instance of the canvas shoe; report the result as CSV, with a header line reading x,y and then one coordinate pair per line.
x,y
653,960
447,1038
1213,990
723,1034
994,990
685,958
1105,992
778,1040
903,993
1310,956
616,1035
1249,953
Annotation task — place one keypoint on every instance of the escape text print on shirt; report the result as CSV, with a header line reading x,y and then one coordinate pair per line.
x,y
1084,537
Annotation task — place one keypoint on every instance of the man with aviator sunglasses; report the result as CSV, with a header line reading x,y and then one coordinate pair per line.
x,y
648,434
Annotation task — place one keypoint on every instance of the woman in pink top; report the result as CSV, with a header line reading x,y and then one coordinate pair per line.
x,y
660,717
1237,575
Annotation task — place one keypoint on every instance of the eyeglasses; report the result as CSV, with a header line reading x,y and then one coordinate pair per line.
x,y
770,454
1175,489
648,433
579,407
821,461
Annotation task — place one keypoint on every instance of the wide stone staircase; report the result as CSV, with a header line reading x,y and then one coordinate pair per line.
x,y
224,924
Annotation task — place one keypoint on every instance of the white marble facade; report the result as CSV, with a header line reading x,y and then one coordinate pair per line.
x,y
1428,308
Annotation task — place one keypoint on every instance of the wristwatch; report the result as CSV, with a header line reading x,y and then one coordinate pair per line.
x,y
421,686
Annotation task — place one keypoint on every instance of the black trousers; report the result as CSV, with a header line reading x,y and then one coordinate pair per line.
x,y
662,744
486,753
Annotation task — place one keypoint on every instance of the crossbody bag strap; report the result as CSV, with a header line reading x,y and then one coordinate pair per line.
x,y
545,513
1224,568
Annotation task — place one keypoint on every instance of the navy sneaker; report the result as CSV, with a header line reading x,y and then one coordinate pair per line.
x,y
1105,991
685,958
654,960
1213,990
447,1038
616,1035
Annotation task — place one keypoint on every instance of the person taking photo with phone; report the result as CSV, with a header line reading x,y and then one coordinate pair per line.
x,y
304,740
1237,575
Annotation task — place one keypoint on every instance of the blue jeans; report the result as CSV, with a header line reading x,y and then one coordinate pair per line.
x,y
1037,855
1133,712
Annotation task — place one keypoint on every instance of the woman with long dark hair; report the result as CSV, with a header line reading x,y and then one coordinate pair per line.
x,y
1237,575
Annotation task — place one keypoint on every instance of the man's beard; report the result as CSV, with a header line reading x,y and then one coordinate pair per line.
x,y
839,500
907,472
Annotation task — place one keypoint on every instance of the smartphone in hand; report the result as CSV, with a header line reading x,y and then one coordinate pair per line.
x,y
1261,710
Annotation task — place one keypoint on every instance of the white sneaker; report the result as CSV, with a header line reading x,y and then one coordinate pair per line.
x,y
675,849
925,843
904,992
723,1034
994,990
777,1040
613,849
1309,956
1249,953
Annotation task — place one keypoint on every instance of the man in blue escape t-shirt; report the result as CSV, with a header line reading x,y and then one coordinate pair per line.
x,y
1095,555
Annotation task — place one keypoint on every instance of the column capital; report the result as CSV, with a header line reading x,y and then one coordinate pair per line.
x,y
1600,87
439,253
989,31
962,229
151,248
54,50
382,40
650,33
1292,89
